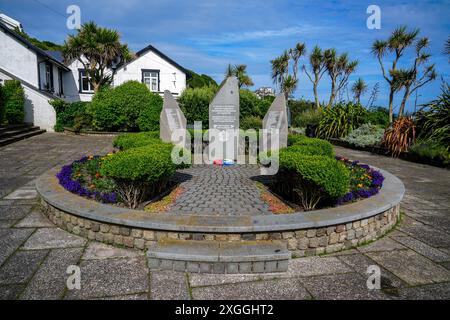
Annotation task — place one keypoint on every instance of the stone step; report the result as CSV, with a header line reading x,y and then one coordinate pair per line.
x,y
17,131
20,136
14,127
219,257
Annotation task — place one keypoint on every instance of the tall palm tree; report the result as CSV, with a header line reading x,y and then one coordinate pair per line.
x,y
97,49
358,89
240,72
289,85
280,68
409,79
397,43
296,53
318,68
339,69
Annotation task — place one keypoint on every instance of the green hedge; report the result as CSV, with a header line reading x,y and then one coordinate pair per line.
x,y
128,107
195,104
134,140
14,102
300,140
71,115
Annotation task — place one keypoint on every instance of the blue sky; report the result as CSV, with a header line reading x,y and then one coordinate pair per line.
x,y
206,35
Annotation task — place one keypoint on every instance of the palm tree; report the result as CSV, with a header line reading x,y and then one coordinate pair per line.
x,y
447,48
318,68
296,53
97,49
399,40
240,72
280,69
408,78
358,89
289,85
339,69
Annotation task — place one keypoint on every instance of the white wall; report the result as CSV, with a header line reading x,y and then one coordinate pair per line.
x,y
171,78
70,84
17,59
37,109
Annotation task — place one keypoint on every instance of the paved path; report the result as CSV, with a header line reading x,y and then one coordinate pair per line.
x,y
34,255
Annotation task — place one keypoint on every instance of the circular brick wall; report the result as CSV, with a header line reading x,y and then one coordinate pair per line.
x,y
312,233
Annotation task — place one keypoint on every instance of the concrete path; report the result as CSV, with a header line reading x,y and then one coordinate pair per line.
x,y
34,255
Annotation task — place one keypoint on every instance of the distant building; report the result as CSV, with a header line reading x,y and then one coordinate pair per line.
x,y
265,92
10,22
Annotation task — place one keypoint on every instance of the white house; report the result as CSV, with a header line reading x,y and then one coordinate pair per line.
x,y
45,75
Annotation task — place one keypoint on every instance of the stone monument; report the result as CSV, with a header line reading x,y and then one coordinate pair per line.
x,y
172,122
224,121
275,124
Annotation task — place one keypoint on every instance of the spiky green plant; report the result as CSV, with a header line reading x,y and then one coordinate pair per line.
x,y
339,120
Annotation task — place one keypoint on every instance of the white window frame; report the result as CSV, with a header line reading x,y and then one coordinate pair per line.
x,y
151,79
83,75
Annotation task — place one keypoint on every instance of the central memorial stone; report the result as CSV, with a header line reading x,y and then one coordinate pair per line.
x,y
224,121
172,122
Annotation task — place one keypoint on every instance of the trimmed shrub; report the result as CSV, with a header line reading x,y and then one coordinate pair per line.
x,y
71,115
251,122
195,104
14,102
310,179
299,140
2,105
139,172
135,140
128,107
309,150
366,135
339,120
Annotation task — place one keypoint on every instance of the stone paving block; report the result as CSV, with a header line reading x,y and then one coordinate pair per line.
x,y
168,285
437,291
10,291
20,267
49,282
48,238
432,236
97,250
35,220
350,286
424,249
10,240
14,212
111,277
411,267
139,296
283,289
383,244
22,194
5,224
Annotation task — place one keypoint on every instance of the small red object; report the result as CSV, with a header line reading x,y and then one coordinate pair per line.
x,y
217,162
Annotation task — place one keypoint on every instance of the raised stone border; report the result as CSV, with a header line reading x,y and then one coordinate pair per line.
x,y
304,234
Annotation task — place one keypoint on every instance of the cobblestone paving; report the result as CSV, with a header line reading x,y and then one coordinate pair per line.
x,y
220,190
34,255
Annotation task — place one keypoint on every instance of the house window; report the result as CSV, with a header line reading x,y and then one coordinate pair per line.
x,y
151,79
60,78
85,83
48,77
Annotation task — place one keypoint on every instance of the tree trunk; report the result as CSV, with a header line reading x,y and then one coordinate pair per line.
x,y
405,98
316,96
333,94
391,106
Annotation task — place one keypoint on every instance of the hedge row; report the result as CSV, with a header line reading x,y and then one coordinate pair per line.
x,y
12,102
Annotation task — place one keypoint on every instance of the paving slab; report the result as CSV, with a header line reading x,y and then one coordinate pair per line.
x,y
160,281
279,289
49,282
141,296
204,279
14,212
49,238
11,240
21,266
411,267
383,244
432,236
35,220
10,291
22,194
111,277
424,249
437,291
350,286
5,224
96,250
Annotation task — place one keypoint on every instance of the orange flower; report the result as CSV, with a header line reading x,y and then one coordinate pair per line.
x,y
97,175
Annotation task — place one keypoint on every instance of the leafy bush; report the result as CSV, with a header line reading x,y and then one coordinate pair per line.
x,y
309,150
366,135
402,134
298,107
431,150
311,179
264,105
128,107
299,140
14,102
339,120
251,122
248,104
433,120
71,115
139,172
2,105
377,116
307,117
195,104
135,140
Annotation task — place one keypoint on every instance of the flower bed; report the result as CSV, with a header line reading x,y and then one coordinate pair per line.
x,y
83,177
365,182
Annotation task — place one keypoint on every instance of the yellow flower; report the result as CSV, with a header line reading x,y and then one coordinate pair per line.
x,y
360,185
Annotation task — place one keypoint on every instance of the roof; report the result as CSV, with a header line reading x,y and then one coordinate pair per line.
x,y
31,46
157,52
57,55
